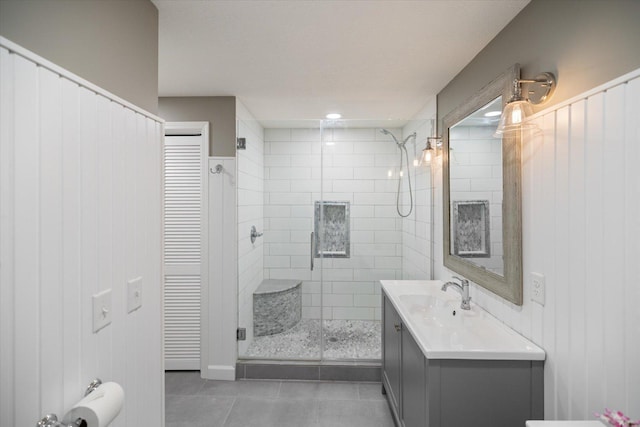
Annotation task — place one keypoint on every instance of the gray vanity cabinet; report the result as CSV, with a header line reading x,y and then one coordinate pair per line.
x,y
413,385
391,354
455,392
404,373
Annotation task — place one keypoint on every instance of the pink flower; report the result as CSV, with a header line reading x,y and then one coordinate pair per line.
x,y
617,419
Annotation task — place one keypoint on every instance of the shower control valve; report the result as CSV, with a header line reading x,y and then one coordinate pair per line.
x,y
254,234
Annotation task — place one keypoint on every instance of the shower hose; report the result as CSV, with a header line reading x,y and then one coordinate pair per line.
x,y
402,147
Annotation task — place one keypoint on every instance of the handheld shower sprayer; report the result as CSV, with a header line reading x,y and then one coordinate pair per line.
x,y
386,132
402,146
398,143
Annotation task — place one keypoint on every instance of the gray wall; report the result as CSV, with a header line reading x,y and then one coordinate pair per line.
x,y
585,43
219,111
113,44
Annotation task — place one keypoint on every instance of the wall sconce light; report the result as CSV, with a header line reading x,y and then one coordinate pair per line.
x,y
518,109
430,149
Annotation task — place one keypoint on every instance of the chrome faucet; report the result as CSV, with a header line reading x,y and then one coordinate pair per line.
x,y
463,288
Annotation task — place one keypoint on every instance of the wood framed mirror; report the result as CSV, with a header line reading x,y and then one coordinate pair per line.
x,y
482,203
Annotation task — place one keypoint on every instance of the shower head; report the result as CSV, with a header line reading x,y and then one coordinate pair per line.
x,y
413,135
386,132
398,143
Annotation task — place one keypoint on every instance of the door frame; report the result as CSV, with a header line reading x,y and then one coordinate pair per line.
x,y
220,291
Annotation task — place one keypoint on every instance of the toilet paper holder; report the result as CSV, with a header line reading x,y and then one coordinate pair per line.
x,y
51,420
92,386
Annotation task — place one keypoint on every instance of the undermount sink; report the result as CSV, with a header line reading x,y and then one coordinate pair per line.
x,y
445,331
438,311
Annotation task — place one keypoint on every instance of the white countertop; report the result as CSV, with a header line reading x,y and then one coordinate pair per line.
x,y
591,423
444,331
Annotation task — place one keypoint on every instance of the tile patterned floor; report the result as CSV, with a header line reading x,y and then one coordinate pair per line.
x,y
344,339
194,402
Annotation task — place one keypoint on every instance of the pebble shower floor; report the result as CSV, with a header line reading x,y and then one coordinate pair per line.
x,y
343,339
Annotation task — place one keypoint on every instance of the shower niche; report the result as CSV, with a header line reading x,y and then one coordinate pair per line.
x,y
331,230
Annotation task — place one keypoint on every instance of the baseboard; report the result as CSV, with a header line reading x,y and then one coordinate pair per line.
x,y
182,365
220,372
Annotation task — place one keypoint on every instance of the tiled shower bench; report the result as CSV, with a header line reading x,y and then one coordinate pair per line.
x,y
277,306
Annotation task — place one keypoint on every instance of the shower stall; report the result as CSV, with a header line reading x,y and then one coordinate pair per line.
x,y
336,206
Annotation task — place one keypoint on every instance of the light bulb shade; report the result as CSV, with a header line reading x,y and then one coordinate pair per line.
x,y
425,159
514,117
430,150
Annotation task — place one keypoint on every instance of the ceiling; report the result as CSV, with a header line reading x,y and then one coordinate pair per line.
x,y
298,59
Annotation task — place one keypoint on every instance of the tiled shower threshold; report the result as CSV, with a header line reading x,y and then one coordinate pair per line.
x,y
359,371
352,352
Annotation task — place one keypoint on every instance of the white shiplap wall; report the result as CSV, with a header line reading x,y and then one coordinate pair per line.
x,y
581,229
220,273
80,210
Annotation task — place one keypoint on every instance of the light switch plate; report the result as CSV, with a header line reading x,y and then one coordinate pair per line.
x,y
134,294
537,288
101,310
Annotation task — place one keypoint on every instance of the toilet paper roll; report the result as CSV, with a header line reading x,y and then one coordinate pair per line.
x,y
99,407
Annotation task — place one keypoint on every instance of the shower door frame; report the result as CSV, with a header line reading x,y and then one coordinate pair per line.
x,y
318,270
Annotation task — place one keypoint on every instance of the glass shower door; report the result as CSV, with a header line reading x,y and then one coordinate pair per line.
x,y
362,232
325,194
280,304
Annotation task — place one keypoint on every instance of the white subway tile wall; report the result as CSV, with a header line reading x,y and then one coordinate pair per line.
x,y
416,228
353,165
280,176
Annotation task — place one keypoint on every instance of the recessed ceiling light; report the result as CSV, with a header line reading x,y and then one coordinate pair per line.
x,y
333,116
492,113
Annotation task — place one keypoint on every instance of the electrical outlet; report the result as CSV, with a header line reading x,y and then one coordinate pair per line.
x,y
134,294
101,310
537,288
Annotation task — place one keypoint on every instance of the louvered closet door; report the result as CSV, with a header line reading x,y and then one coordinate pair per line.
x,y
182,251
